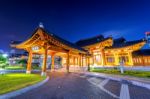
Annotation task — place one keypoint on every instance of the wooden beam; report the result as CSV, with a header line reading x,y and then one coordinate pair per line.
x,y
56,48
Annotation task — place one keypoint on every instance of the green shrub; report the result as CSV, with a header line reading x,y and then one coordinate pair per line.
x,y
116,71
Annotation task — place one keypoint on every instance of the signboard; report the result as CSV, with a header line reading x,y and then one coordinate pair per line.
x,y
35,48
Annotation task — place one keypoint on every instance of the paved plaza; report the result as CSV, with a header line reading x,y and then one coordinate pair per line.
x,y
81,86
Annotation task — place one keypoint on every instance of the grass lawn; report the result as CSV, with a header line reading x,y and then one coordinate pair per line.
x,y
142,74
15,67
20,67
11,82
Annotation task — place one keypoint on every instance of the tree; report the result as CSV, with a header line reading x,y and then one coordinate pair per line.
x,y
23,62
3,59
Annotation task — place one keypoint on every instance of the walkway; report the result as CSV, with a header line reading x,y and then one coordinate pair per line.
x,y
81,86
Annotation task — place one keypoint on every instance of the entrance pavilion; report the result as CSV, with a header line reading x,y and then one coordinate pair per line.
x,y
45,43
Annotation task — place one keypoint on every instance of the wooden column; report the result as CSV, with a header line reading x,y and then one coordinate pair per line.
x,y
77,62
80,60
28,71
130,58
52,61
89,61
103,57
73,59
116,59
68,62
86,60
44,62
93,58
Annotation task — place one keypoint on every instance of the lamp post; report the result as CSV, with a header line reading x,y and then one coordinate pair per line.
x,y
5,55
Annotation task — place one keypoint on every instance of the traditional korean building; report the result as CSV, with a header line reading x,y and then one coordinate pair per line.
x,y
141,57
95,51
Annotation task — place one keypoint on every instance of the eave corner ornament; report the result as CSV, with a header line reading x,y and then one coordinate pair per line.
x,y
41,25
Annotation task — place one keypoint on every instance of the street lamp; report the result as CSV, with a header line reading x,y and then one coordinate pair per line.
x,y
5,55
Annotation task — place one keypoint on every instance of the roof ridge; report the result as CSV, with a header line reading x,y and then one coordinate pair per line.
x,y
135,40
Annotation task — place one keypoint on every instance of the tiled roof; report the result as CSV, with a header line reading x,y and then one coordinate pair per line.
x,y
72,45
121,42
142,52
117,43
63,40
90,41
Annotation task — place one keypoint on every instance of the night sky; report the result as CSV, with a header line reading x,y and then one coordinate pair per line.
x,y
73,19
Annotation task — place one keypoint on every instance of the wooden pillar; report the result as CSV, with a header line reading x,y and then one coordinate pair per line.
x,y
52,61
80,60
44,62
90,58
68,62
143,62
77,60
116,59
73,61
88,61
93,58
28,71
130,58
103,57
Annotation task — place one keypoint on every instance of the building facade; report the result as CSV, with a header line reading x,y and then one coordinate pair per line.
x,y
95,51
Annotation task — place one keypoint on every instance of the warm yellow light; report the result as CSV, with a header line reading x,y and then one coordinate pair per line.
x,y
35,48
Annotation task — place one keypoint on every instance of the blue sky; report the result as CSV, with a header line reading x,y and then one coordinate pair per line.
x,y
74,19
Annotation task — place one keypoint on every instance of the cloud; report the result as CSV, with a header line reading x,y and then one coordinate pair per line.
x,y
111,33
117,33
1,51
